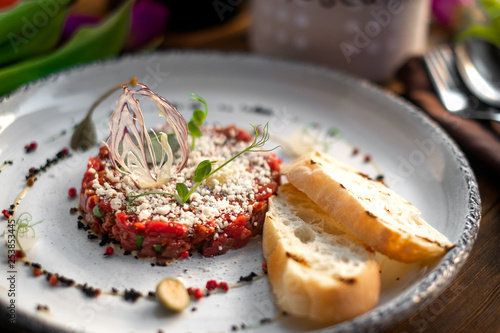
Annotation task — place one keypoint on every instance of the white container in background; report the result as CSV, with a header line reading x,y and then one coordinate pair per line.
x,y
367,38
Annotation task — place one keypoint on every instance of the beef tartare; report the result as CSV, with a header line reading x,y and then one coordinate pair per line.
x,y
222,214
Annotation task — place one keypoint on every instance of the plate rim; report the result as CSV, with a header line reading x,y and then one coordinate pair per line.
x,y
395,310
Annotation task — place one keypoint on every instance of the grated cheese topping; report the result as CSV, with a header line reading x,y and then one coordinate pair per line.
x,y
229,192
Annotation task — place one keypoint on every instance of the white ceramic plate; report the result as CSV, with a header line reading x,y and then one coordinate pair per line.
x,y
417,159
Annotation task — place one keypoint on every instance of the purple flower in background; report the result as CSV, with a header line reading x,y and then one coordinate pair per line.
x,y
445,10
74,22
148,20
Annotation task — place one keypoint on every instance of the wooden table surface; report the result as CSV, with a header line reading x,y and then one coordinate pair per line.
x,y
471,303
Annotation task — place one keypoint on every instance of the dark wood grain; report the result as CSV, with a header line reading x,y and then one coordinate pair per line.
x,y
471,303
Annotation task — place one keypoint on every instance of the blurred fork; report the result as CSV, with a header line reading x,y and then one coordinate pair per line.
x,y
451,91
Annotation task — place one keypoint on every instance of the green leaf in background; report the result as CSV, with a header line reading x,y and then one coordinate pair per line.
x,y
21,18
88,44
31,28
489,30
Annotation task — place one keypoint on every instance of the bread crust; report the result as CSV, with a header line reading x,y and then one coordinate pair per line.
x,y
303,289
316,175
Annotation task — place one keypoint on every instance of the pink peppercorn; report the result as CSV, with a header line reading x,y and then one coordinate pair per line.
x,y
109,251
198,293
223,286
65,151
6,213
72,192
195,292
31,146
212,285
185,254
18,255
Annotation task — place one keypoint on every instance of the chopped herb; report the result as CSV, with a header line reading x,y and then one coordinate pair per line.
x,y
138,240
158,247
97,211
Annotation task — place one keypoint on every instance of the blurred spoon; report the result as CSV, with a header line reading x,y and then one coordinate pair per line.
x,y
84,135
478,63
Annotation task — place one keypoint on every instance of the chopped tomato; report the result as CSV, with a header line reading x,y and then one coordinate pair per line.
x,y
266,191
274,162
95,163
122,217
105,205
103,152
162,227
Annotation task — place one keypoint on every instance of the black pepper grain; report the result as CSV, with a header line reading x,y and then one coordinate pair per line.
x,y
66,281
90,291
247,278
132,295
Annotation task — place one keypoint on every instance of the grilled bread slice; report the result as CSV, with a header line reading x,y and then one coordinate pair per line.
x,y
317,270
370,210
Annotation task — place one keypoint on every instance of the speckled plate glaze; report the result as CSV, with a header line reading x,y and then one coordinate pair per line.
x,y
416,157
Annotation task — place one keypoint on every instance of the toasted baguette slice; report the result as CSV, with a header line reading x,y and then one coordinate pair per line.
x,y
316,270
370,210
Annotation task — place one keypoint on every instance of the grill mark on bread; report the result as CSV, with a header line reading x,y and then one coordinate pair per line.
x,y
370,214
364,175
296,258
349,281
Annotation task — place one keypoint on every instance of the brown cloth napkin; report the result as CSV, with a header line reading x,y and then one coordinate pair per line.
x,y
479,139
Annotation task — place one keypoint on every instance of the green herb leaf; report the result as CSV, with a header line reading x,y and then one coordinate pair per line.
x,y
194,130
202,171
199,116
158,248
97,211
182,190
139,238
195,97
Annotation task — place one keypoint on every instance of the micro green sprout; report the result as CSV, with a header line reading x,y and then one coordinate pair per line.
x,y
204,170
197,119
23,226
